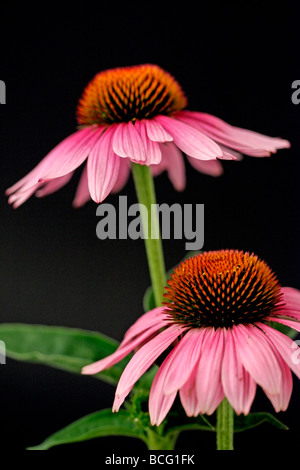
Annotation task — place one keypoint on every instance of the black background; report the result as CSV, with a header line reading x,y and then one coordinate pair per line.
x,y
234,61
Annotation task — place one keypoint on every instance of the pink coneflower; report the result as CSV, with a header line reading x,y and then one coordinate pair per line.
x,y
136,114
216,328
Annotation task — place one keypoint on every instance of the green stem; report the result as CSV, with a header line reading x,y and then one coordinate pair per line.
x,y
156,441
144,186
225,426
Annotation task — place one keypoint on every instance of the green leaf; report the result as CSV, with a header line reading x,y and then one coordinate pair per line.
x,y
242,423
68,349
285,329
148,300
99,424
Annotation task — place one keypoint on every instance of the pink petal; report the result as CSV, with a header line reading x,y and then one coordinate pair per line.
x,y
281,401
29,180
123,350
21,196
248,142
153,152
124,172
182,360
208,167
156,132
209,388
54,185
291,297
190,140
159,403
172,161
291,306
82,195
102,167
68,156
239,387
142,360
286,347
257,356
147,320
188,394
284,311
58,160
229,154
287,388
127,143
70,144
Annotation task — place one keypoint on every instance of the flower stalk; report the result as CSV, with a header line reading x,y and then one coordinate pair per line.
x,y
155,441
145,191
225,426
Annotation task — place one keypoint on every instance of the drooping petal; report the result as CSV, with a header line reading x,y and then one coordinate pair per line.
x,y
291,303
287,348
230,154
173,373
156,132
29,180
147,320
291,297
63,159
207,167
153,152
159,403
66,158
287,387
82,195
188,394
239,387
124,172
190,140
281,400
102,167
172,162
19,197
53,185
127,143
258,357
243,140
142,360
181,361
122,351
209,387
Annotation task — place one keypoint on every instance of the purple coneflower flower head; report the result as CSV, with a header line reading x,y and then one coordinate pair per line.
x,y
216,329
137,114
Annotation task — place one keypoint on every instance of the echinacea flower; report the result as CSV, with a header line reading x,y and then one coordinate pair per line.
x,y
136,114
217,328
